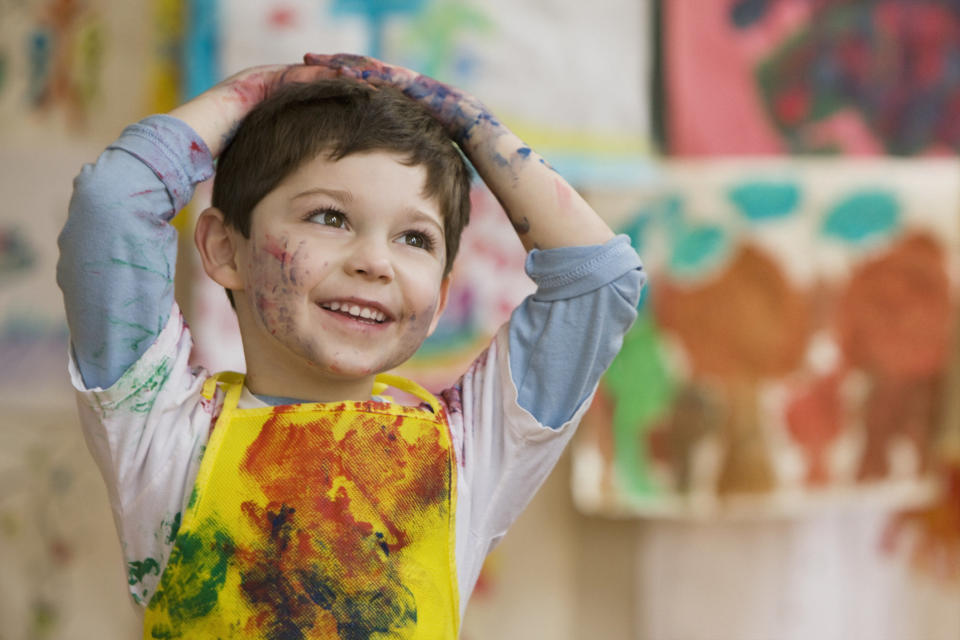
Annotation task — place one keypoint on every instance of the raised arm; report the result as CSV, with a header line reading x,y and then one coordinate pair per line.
x,y
545,210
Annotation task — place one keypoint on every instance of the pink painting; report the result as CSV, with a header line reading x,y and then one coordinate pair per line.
x,y
795,76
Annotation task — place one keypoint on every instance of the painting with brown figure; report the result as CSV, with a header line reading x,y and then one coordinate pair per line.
x,y
894,323
746,325
695,414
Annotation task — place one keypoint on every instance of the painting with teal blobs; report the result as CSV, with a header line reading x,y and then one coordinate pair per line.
x,y
642,390
761,201
862,217
637,230
697,248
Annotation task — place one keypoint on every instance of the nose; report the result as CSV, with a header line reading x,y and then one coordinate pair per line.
x,y
370,259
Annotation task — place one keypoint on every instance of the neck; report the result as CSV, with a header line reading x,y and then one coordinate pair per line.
x,y
310,389
272,374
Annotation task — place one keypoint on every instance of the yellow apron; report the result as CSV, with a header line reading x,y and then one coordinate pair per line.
x,y
327,520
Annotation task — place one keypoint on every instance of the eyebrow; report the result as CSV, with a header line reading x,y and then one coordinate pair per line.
x,y
420,215
339,195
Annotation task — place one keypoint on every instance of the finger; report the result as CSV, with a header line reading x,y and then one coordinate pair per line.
x,y
308,73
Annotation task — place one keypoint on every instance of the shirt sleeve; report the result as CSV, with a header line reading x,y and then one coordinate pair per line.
x,y
564,336
117,250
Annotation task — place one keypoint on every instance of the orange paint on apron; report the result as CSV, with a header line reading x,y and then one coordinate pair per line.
x,y
325,520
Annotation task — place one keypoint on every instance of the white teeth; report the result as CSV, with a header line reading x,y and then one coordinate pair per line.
x,y
356,311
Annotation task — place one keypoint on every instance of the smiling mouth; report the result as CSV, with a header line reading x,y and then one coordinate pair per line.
x,y
356,311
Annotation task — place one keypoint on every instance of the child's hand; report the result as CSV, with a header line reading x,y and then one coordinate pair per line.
x,y
457,110
216,113
545,211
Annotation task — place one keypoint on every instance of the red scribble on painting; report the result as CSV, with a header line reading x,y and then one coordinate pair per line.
x,y
282,17
815,417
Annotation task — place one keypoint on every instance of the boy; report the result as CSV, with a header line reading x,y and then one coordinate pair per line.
x,y
294,501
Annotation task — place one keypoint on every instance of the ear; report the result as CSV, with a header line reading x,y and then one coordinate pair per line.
x,y
218,245
441,304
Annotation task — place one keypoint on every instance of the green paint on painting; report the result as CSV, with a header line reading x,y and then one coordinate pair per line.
x,y
642,390
438,31
763,201
863,216
194,575
139,569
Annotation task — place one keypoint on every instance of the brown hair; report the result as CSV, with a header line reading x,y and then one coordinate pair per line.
x,y
339,117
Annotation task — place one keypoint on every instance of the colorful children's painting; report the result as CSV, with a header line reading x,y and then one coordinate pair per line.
x,y
570,78
794,76
793,346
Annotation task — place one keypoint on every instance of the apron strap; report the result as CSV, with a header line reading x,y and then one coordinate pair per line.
x,y
407,386
233,382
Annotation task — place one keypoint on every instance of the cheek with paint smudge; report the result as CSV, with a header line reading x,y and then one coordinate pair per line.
x,y
273,283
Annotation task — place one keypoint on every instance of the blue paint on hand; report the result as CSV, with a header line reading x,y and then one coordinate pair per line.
x,y
863,216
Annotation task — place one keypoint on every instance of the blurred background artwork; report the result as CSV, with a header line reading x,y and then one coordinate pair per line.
x,y
863,77
775,454
793,346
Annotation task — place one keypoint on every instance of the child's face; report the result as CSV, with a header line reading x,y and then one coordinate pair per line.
x,y
343,270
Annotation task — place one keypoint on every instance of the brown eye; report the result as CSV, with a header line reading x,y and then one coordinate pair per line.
x,y
415,240
329,217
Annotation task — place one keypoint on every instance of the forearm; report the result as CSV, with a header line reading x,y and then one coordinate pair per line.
x,y
545,211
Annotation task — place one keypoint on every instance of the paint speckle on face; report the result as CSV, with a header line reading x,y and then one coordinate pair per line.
x,y
276,248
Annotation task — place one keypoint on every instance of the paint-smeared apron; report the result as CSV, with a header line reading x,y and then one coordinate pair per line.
x,y
331,520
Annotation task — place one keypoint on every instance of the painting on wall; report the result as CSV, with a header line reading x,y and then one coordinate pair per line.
x,y
793,76
569,78
74,69
793,345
